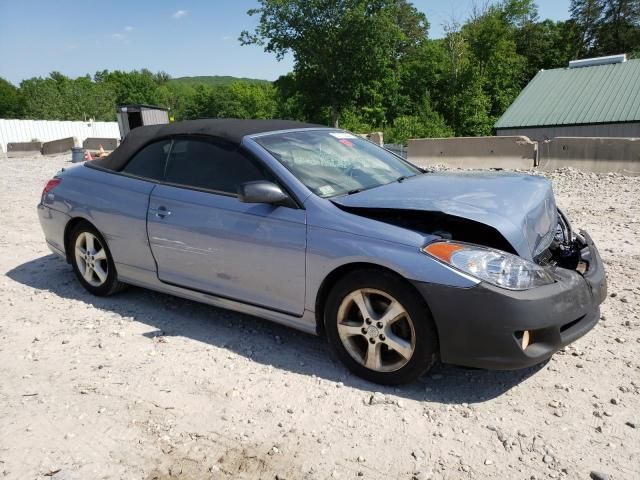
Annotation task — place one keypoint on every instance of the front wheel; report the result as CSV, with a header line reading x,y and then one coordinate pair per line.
x,y
380,327
92,261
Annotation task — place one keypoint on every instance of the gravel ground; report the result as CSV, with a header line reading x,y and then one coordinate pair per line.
x,y
147,386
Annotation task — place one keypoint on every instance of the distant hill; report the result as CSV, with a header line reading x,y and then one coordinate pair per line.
x,y
217,80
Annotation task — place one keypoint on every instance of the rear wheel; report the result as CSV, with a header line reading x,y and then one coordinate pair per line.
x,y
380,327
92,261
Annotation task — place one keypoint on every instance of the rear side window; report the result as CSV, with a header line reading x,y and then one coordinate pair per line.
x,y
210,165
150,161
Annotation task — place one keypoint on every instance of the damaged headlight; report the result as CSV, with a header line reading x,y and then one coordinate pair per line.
x,y
492,266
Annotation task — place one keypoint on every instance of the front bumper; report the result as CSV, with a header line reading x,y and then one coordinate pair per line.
x,y
482,326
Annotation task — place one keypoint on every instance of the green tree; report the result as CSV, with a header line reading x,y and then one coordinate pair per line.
x,y
367,64
237,100
291,103
351,119
424,72
244,100
493,52
338,46
176,96
10,100
428,124
587,15
521,13
135,87
58,97
468,96
199,105
548,45
606,27
468,106
619,28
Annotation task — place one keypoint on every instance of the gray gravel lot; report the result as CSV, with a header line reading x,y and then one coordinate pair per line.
x,y
144,385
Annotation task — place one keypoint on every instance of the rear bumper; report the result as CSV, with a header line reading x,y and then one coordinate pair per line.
x,y
53,224
482,326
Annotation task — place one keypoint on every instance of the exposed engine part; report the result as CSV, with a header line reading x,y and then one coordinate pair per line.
x,y
565,250
565,226
567,255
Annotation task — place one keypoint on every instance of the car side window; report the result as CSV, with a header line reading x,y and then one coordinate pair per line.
x,y
211,165
150,161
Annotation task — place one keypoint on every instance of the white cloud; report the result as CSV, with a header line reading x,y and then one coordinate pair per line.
x,y
122,36
226,38
179,14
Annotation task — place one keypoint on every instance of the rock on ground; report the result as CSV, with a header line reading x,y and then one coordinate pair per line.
x,y
144,385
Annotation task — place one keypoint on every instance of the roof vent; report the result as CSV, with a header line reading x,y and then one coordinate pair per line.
x,y
592,62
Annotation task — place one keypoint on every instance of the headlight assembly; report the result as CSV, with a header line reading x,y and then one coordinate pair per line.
x,y
496,267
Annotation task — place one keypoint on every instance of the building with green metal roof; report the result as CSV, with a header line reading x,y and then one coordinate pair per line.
x,y
597,97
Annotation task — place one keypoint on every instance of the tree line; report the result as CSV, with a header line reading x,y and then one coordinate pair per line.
x,y
363,65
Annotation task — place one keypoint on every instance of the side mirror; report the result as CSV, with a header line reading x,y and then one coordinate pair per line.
x,y
262,191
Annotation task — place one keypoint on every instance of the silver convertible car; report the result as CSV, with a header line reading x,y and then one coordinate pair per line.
x,y
318,229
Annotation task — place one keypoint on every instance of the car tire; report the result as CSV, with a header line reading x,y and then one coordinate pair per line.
x,y
389,346
92,261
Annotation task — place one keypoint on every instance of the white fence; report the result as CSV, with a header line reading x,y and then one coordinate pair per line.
x,y
47,130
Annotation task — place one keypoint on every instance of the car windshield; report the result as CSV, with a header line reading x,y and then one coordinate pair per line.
x,y
333,162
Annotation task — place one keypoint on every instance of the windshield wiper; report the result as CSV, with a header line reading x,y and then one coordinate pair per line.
x,y
362,189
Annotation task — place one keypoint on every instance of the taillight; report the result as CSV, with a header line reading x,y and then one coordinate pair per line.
x,y
51,184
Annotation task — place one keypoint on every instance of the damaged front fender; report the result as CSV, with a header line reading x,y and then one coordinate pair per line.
x,y
497,206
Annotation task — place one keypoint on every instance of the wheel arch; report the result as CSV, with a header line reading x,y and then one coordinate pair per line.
x,y
69,227
339,272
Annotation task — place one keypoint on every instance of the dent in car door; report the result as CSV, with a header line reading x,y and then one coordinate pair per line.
x,y
254,253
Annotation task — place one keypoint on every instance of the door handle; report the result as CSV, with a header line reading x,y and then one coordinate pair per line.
x,y
161,212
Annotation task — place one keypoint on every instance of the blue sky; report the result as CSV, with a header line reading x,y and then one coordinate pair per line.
x,y
181,37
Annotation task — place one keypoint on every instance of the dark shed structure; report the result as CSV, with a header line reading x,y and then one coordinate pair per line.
x,y
134,116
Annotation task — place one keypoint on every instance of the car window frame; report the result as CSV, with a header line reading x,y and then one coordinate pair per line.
x,y
206,139
137,152
245,152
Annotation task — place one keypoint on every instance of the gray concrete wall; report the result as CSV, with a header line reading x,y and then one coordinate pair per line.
x,y
375,137
597,154
60,146
48,130
592,154
108,144
20,149
474,152
540,134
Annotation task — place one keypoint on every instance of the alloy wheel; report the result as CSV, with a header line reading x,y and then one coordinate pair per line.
x,y
376,330
91,259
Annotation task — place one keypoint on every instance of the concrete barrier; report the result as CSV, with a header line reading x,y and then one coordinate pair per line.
x,y
93,143
60,146
21,149
474,152
375,137
594,154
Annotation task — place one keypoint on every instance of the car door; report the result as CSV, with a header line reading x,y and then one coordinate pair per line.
x,y
118,204
203,238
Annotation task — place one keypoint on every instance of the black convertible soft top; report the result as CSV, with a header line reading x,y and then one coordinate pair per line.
x,y
230,129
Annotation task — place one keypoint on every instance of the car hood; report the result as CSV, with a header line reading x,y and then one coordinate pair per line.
x,y
521,207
